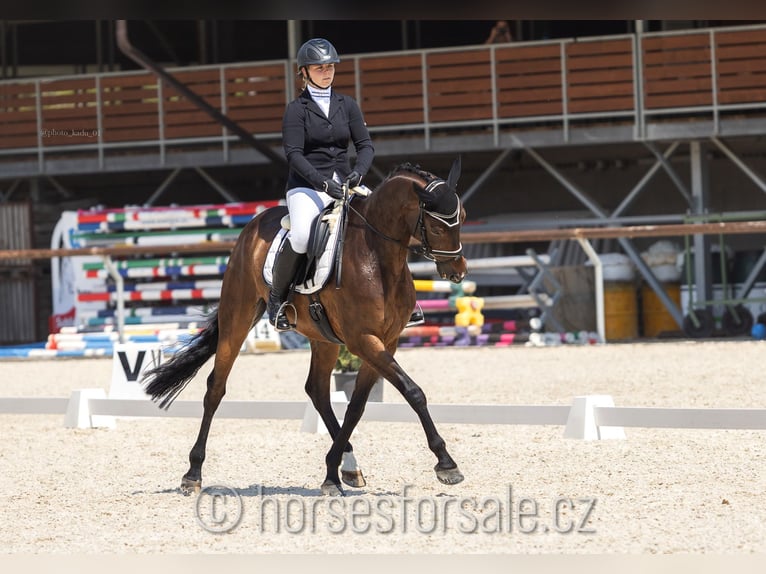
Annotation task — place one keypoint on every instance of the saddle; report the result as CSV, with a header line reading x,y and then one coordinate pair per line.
x,y
322,257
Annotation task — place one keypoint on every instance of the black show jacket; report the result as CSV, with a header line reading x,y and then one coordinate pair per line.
x,y
316,146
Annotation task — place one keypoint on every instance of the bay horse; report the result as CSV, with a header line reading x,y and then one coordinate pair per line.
x,y
410,210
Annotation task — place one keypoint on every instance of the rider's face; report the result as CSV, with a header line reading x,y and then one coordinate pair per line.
x,y
322,75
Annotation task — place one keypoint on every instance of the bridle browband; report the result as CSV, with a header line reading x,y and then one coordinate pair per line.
x,y
425,249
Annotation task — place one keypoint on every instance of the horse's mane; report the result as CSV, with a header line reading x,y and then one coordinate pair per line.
x,y
438,197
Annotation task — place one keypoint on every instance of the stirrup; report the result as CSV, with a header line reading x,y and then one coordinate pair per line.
x,y
417,317
282,323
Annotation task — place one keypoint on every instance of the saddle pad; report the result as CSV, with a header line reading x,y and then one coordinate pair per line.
x,y
324,264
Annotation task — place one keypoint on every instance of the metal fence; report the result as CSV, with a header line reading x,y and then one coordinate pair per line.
x,y
635,80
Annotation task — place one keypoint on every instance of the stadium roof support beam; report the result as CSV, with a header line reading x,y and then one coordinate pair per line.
x,y
758,180
225,193
624,242
163,186
492,168
145,62
639,187
5,196
670,171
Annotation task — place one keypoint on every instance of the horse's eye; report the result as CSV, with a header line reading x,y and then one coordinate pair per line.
x,y
437,230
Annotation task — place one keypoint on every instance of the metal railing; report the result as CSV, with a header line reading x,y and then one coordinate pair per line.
x,y
553,85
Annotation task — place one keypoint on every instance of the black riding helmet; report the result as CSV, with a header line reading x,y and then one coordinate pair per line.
x,y
317,51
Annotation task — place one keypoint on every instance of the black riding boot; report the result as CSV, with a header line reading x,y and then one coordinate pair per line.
x,y
282,275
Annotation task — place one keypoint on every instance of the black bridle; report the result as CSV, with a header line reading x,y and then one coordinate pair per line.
x,y
425,249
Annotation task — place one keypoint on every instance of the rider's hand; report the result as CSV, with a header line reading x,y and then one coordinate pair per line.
x,y
353,179
333,189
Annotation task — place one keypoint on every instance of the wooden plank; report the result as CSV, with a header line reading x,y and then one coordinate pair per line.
x,y
527,109
138,133
592,105
439,74
526,67
391,104
69,114
522,53
386,63
741,66
181,117
690,56
184,105
665,43
118,83
469,99
587,48
18,117
18,141
741,81
752,95
192,131
265,100
458,114
678,100
670,71
600,76
384,78
456,58
68,85
600,62
740,37
395,117
206,75
393,90
457,85
532,95
680,85
9,129
596,91
529,81
126,121
264,126
116,110
748,51
72,99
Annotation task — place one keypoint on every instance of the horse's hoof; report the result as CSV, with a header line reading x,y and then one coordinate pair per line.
x,y
189,486
449,475
329,488
353,478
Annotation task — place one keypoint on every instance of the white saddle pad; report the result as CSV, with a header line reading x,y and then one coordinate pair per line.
x,y
324,264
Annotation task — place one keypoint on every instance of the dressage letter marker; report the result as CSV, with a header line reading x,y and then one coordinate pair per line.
x,y
130,362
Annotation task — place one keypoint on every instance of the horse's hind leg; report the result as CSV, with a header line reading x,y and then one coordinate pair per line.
x,y
233,329
323,357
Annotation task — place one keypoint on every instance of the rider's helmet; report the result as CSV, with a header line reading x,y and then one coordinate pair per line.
x,y
317,51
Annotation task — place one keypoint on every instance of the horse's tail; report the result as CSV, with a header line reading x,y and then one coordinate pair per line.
x,y
167,381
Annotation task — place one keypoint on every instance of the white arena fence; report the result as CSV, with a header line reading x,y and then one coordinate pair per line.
x,y
590,417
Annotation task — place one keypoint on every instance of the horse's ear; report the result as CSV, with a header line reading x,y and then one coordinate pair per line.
x,y
454,174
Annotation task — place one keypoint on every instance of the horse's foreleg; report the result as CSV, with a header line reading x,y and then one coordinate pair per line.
x,y
446,468
323,357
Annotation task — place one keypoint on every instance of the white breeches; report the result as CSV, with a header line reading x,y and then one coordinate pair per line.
x,y
304,204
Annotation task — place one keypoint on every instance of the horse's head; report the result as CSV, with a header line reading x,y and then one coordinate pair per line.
x,y
440,218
